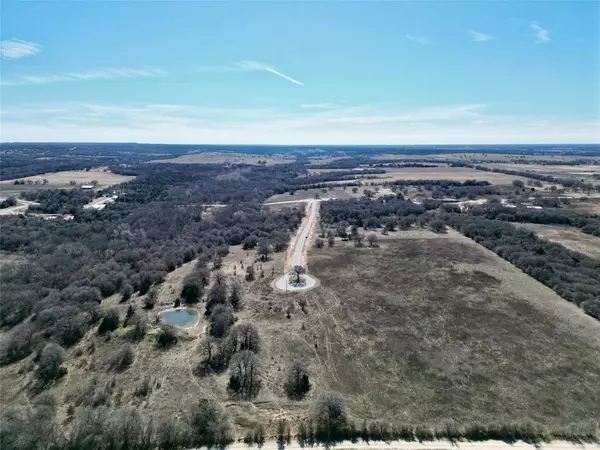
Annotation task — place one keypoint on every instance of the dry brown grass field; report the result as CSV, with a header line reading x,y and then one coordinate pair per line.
x,y
570,237
433,173
589,204
60,180
508,157
302,194
431,327
579,171
226,157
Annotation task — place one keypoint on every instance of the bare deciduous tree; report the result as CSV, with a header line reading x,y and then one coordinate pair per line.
x,y
298,271
296,381
221,318
245,375
329,412
372,240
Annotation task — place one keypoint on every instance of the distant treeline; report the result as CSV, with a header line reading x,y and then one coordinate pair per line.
x,y
373,213
470,189
572,275
566,182
588,223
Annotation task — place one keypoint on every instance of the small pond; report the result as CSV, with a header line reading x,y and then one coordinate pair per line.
x,y
181,317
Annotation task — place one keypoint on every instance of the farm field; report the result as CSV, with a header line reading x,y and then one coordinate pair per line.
x,y
436,327
435,173
226,157
584,171
482,156
60,180
589,204
301,194
570,237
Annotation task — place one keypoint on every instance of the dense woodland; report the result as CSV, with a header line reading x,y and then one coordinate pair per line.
x,y
158,224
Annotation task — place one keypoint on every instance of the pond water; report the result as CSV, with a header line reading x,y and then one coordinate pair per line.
x,y
181,317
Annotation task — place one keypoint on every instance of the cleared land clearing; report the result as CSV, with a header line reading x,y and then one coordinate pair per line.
x,y
570,237
587,204
586,170
432,327
483,156
225,157
61,180
435,173
302,194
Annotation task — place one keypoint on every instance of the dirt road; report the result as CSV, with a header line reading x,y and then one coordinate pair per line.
x,y
298,250
437,445
300,245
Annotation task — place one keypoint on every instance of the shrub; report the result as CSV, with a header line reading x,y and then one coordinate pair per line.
x,y
50,363
437,226
123,358
166,336
192,289
126,292
17,345
110,321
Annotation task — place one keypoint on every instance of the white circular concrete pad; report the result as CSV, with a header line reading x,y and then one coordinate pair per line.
x,y
284,284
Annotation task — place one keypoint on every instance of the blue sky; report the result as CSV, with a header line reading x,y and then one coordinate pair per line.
x,y
306,72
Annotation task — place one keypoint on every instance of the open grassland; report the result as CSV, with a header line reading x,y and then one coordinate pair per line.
x,y
431,327
561,171
301,194
443,172
483,156
446,173
227,157
61,180
570,237
590,204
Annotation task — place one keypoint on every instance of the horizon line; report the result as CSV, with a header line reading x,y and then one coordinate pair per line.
x,y
295,145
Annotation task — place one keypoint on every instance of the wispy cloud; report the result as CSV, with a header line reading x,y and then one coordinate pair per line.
x,y
98,74
363,124
541,34
317,106
418,39
480,37
253,65
16,48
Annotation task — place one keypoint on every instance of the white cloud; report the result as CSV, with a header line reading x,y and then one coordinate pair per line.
x,y
541,34
317,106
418,39
253,65
480,37
98,74
163,123
16,48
